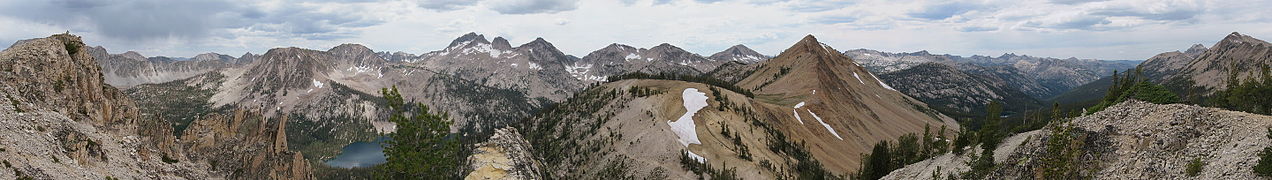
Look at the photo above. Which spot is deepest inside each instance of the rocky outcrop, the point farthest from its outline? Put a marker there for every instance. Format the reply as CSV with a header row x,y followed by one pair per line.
x,y
245,145
504,156
1135,140
60,120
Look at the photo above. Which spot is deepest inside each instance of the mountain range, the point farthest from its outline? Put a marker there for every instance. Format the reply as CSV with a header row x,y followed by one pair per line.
x,y
74,111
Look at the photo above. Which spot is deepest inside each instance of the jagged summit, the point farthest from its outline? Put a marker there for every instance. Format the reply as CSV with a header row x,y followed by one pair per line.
x,y
1196,49
501,44
472,36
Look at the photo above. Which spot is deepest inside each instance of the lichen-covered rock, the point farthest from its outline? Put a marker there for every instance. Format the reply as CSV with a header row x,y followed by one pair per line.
x,y
505,156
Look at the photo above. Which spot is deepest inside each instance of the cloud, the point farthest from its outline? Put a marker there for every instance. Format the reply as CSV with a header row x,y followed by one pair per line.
x,y
1159,10
159,20
977,28
131,19
1072,2
532,6
808,6
944,10
1071,22
446,5
836,19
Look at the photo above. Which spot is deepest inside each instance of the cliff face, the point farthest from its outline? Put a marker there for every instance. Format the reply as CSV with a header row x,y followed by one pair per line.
x,y
60,120
246,146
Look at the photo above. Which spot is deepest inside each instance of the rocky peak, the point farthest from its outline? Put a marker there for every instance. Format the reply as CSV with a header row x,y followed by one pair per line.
x,y
537,43
616,47
287,68
1238,38
133,55
1196,49
1008,56
666,47
212,57
810,45
739,53
501,44
467,39
351,49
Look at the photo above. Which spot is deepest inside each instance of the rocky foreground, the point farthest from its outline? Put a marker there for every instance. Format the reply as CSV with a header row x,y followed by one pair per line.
x,y
60,120
1131,140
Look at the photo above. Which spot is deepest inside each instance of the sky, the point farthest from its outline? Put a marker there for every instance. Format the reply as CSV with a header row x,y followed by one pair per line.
x,y
1089,29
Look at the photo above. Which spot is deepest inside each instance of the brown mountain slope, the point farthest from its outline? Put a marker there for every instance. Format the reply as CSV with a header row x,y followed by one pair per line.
x,y
851,100
640,127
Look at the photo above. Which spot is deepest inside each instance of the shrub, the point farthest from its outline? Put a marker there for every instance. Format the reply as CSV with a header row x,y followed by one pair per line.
x,y
1194,167
1264,167
168,160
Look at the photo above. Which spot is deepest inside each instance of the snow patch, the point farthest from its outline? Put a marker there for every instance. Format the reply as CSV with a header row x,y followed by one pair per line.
x,y
580,72
885,85
700,159
535,66
823,123
684,127
514,65
854,74
318,84
793,111
632,56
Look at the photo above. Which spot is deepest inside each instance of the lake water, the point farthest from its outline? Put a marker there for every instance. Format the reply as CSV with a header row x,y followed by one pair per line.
x,y
360,154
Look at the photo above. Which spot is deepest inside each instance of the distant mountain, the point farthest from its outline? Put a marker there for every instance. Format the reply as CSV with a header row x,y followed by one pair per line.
x,y
1054,75
617,59
131,68
537,67
1195,73
958,93
1200,71
739,53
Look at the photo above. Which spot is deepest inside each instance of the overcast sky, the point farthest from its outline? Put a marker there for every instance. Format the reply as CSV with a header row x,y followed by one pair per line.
x,y
1100,29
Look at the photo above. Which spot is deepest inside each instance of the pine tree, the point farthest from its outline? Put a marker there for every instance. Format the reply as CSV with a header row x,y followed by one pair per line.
x,y
989,131
422,146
